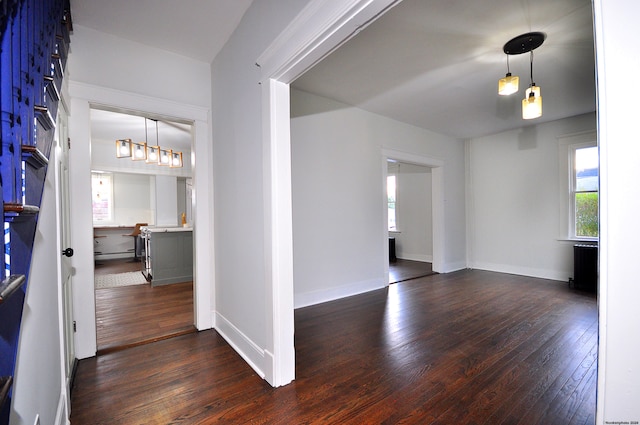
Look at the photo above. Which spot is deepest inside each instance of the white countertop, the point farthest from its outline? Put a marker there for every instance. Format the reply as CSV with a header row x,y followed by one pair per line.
x,y
164,229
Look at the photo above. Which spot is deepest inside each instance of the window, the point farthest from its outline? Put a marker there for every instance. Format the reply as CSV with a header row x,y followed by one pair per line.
x,y
391,202
102,197
578,180
584,190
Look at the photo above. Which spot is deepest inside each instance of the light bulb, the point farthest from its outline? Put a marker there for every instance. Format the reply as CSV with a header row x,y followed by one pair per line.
x,y
508,85
532,103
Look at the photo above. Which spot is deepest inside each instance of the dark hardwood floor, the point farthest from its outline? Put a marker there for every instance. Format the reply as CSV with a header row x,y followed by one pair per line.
x,y
124,265
401,270
133,315
469,347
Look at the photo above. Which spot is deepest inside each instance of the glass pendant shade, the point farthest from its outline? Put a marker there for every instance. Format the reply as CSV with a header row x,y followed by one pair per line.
x,y
152,154
164,157
508,85
123,148
176,159
139,151
532,103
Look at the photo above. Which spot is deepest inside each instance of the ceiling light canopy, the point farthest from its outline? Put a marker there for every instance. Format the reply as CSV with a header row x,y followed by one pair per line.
x,y
525,43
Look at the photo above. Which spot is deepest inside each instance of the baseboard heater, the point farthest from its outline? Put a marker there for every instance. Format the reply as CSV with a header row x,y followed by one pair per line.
x,y
585,267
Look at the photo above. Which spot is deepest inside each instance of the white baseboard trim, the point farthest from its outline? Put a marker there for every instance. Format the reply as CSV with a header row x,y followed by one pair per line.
x,y
268,368
306,299
426,258
454,267
118,256
62,416
242,344
559,275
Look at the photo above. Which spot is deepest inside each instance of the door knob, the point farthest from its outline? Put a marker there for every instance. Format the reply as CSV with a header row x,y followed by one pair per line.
x,y
68,252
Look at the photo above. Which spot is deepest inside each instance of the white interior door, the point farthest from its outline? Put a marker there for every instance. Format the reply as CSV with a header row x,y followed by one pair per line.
x,y
65,250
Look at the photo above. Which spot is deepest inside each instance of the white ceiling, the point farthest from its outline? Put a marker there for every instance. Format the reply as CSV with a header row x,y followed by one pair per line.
x,y
109,126
431,63
197,29
436,64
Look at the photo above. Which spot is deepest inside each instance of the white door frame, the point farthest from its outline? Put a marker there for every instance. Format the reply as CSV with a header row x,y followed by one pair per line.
x,y
321,27
60,166
437,202
83,96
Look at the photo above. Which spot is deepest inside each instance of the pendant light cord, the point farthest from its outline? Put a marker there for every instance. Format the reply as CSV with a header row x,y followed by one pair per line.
x,y
532,84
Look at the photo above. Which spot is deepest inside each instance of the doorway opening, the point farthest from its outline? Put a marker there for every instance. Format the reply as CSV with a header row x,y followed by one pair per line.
x,y
420,192
409,221
133,199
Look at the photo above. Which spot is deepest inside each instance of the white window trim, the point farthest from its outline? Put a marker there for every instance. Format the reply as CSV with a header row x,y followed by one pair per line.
x,y
112,212
567,144
393,171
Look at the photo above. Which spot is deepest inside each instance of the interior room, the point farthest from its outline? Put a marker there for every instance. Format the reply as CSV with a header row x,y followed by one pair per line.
x,y
430,95
298,113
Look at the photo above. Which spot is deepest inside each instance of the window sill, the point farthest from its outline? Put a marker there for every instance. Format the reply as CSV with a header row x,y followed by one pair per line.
x,y
579,240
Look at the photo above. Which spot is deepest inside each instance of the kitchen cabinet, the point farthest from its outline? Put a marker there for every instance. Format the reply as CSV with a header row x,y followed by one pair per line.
x,y
168,255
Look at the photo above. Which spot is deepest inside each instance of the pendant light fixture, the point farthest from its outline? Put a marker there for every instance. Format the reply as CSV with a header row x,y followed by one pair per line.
x,y
139,150
151,154
525,43
165,157
509,84
532,102
176,159
123,148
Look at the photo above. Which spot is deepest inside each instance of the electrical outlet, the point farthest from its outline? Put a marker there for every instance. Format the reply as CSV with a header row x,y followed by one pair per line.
x,y
37,421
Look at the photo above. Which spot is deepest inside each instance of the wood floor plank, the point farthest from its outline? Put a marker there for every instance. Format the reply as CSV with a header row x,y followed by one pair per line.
x,y
130,315
402,270
469,347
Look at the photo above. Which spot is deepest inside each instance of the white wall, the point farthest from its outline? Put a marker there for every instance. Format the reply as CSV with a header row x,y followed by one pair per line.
x,y
338,196
242,313
38,376
183,201
514,200
166,201
106,61
132,199
619,297
414,240
337,203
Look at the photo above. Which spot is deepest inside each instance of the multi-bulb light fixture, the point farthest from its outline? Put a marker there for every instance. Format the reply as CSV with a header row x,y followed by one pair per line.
x,y
126,148
532,102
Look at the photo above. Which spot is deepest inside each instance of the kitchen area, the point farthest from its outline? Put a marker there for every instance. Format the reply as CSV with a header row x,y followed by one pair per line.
x,y
142,207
